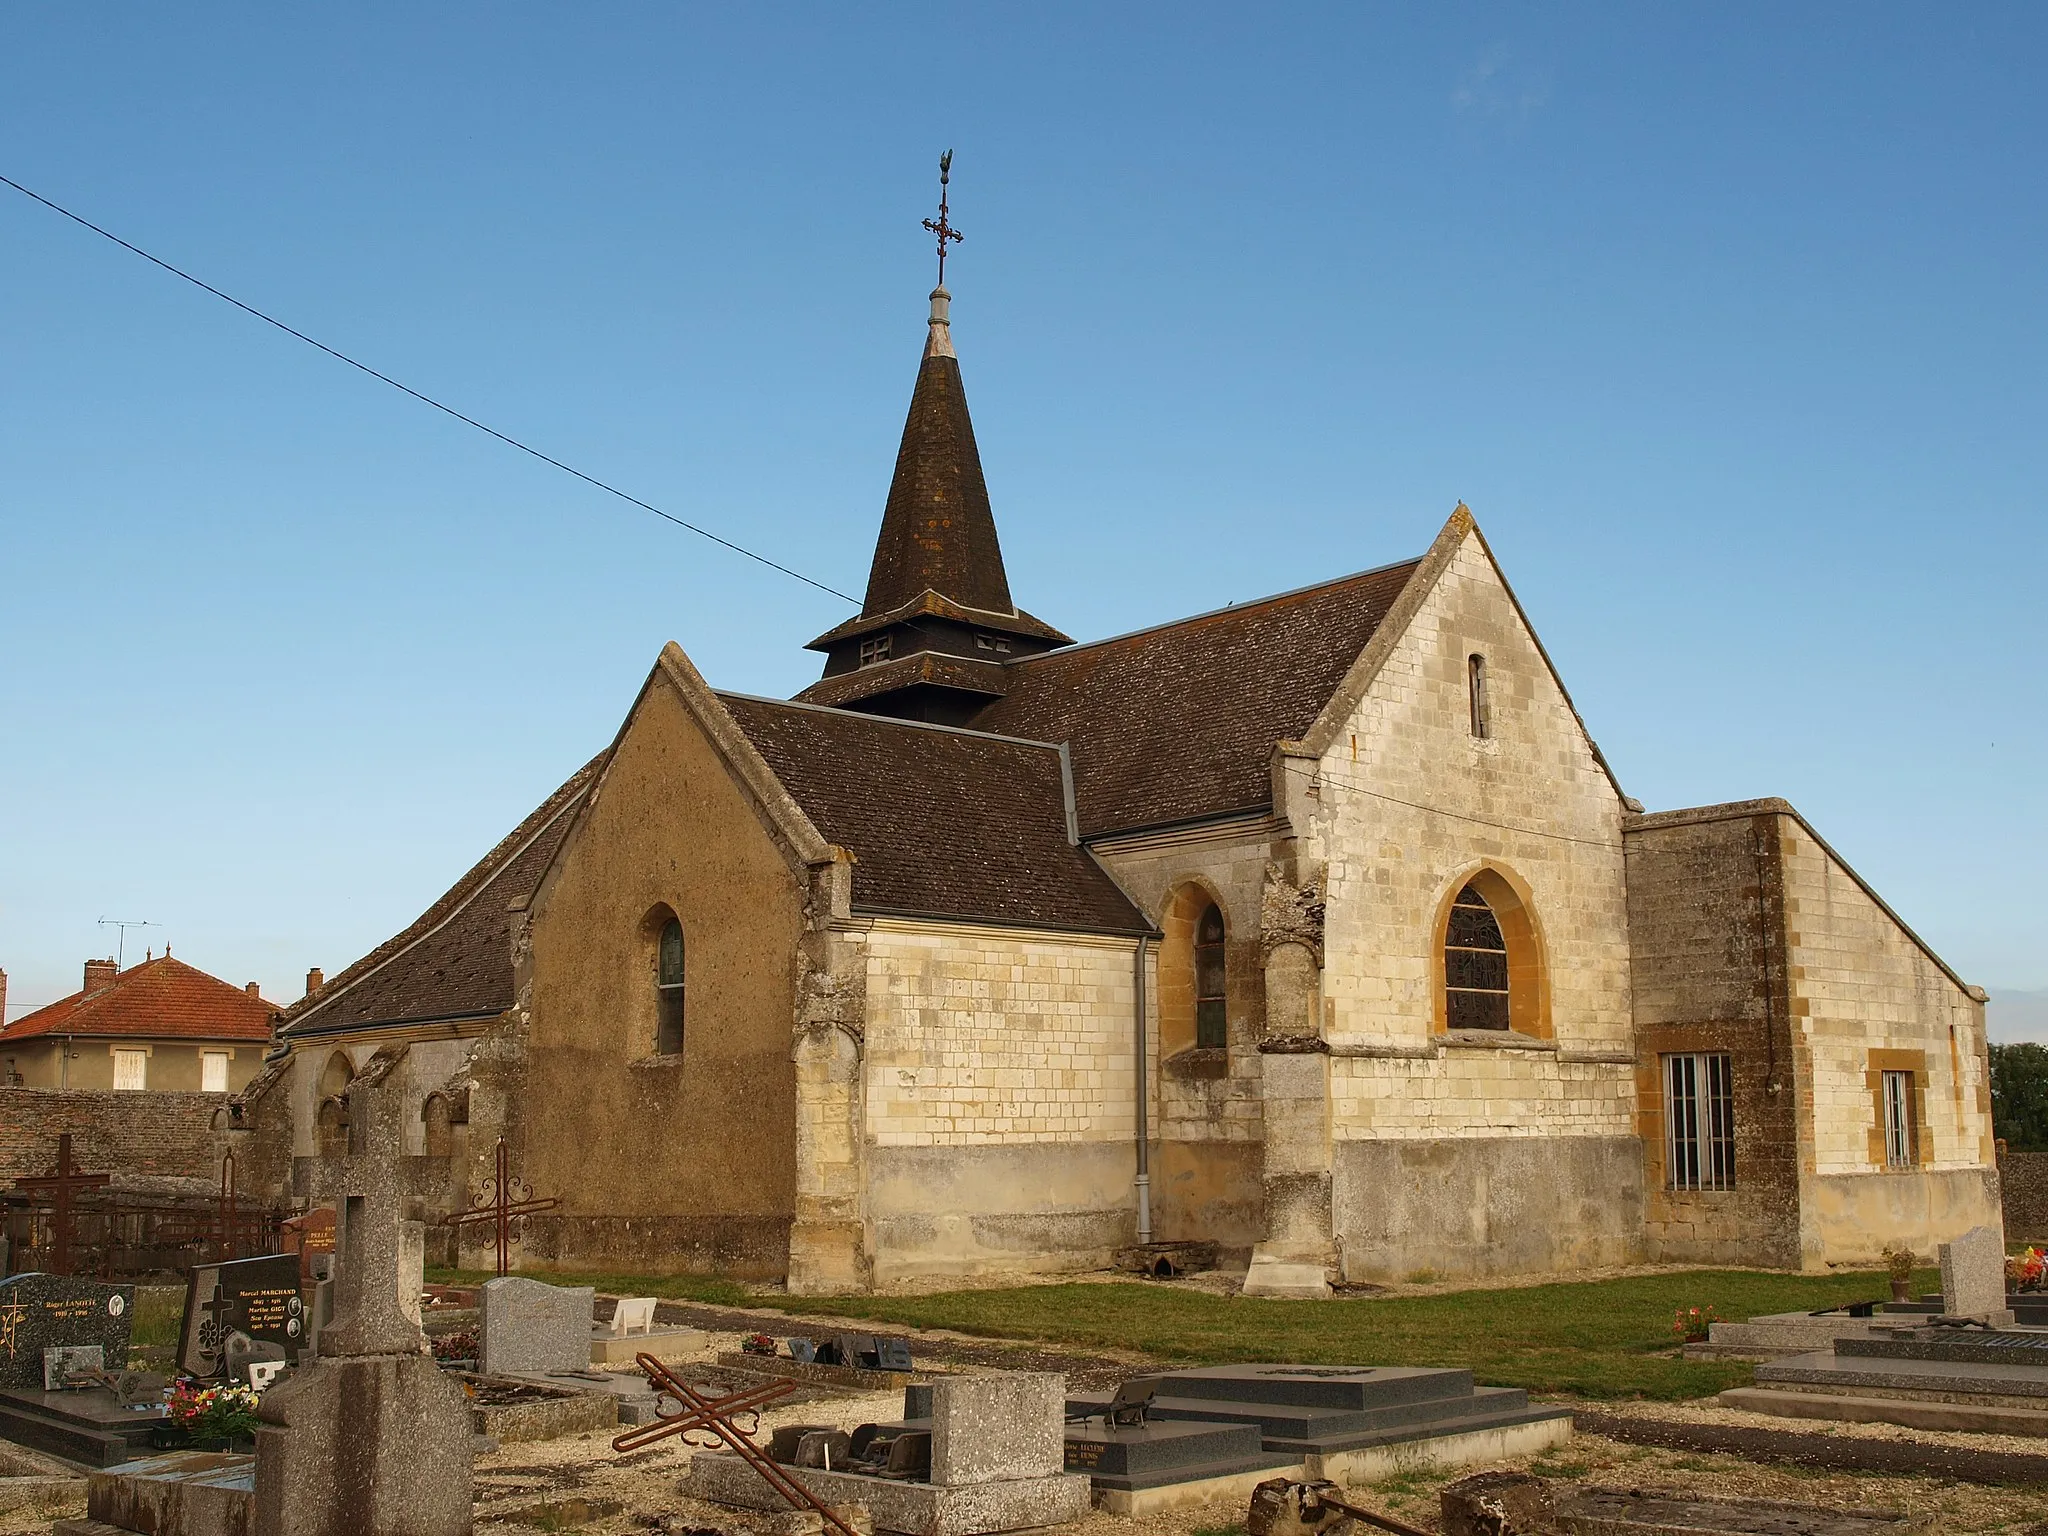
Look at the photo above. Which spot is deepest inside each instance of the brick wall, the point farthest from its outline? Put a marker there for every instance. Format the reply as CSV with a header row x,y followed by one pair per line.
x,y
145,1133
2024,1179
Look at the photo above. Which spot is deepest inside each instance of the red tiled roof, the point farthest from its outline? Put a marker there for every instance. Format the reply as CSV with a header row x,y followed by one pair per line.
x,y
161,999
1179,722
455,960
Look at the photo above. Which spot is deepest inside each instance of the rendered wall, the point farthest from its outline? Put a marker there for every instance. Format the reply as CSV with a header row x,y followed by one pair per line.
x,y
174,1066
1402,808
999,1080
669,1163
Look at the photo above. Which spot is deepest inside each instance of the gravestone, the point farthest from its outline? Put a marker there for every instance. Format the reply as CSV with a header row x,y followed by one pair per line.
x,y
39,1312
1973,1276
246,1300
530,1329
371,1437
311,1237
988,1429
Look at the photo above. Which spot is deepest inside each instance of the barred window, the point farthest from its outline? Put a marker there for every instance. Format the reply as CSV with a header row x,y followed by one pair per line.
x,y
1898,1120
1699,1120
668,991
875,650
1475,966
1212,1029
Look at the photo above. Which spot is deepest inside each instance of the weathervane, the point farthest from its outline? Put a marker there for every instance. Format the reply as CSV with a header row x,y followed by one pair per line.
x,y
939,226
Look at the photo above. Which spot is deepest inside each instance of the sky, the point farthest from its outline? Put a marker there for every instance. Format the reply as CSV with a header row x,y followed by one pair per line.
x,y
1726,321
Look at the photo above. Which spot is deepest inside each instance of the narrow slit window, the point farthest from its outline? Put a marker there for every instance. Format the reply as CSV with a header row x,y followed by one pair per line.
x,y
1475,966
1699,1120
1212,1028
1475,687
668,991
1898,1120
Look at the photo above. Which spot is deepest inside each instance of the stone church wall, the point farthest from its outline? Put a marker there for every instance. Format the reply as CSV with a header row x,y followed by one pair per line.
x,y
1704,890
664,1163
999,1081
1489,1155
2023,1187
1865,996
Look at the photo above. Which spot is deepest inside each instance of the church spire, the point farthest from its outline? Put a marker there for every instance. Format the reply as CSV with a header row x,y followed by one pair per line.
x,y
937,587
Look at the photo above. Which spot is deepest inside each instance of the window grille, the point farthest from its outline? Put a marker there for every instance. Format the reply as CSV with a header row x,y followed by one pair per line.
x,y
1475,966
1699,1120
872,651
1212,1028
668,991
1475,686
1898,1120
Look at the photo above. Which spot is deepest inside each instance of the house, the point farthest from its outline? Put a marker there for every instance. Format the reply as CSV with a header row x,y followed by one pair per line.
x,y
159,1026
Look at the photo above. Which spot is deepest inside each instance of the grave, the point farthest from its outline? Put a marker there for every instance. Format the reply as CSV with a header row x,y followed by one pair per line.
x,y
41,1314
241,1311
1520,1504
995,1465
1355,1423
509,1411
1778,1335
1924,1378
526,1328
633,1331
1973,1277
311,1237
44,1484
1140,1469
183,1493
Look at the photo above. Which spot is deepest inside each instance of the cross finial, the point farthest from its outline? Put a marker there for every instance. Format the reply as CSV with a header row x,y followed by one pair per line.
x,y
940,227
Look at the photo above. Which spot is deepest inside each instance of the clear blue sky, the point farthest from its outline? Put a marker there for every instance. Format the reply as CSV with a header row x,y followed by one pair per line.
x,y
1727,321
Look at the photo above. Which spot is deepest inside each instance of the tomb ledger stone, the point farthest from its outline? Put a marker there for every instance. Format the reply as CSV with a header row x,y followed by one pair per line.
x,y
39,1312
370,1438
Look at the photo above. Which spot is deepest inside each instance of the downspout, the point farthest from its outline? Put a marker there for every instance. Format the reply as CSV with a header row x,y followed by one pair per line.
x,y
1144,1178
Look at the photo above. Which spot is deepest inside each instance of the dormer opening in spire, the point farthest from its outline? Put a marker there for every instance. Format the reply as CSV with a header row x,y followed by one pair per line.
x,y
938,621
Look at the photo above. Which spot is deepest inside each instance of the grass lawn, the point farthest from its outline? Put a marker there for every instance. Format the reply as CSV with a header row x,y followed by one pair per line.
x,y
1601,1338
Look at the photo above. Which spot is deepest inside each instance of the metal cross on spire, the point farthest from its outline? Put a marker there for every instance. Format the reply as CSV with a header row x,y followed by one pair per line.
x,y
940,227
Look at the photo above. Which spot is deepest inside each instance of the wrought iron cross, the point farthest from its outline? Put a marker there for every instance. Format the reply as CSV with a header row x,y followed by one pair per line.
x,y
59,1186
940,227
498,1200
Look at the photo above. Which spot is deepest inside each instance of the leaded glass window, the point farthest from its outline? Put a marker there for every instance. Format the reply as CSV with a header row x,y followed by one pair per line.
x,y
668,991
1212,1029
1475,966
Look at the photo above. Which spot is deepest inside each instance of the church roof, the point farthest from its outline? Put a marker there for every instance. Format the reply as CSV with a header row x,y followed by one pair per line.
x,y
160,999
941,822
1178,722
455,960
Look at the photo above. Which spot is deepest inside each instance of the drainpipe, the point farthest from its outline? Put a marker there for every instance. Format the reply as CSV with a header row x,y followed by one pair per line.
x,y
1144,1178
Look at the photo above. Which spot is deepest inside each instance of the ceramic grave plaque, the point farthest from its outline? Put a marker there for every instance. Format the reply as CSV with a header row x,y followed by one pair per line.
x,y
40,1312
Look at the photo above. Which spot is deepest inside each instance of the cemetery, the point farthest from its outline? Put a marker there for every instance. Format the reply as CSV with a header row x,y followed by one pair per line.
x,y
322,1388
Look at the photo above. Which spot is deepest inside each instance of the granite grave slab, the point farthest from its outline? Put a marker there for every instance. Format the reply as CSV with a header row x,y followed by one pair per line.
x,y
232,1306
1973,1276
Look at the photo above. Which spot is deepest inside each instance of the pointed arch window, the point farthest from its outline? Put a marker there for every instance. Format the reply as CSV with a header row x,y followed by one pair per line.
x,y
1475,965
668,990
1212,1028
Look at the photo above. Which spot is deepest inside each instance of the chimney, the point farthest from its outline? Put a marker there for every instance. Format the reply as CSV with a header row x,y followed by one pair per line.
x,y
99,973
250,988
314,980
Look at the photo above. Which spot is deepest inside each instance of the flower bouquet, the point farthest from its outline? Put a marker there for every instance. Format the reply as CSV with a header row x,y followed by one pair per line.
x,y
2028,1271
213,1418
1693,1323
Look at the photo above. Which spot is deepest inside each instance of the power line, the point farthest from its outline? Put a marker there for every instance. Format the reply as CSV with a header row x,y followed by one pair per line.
x,y
1338,779
423,399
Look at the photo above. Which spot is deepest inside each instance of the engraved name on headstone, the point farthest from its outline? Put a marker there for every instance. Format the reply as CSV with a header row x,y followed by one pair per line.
x,y
230,1307
39,1312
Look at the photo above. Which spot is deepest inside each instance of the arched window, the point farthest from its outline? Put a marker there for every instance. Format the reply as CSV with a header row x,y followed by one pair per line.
x,y
1475,965
437,1118
1212,1029
1475,687
668,990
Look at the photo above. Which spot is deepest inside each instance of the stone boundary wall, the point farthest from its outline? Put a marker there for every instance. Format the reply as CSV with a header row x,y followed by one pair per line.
x,y
142,1133
2023,1178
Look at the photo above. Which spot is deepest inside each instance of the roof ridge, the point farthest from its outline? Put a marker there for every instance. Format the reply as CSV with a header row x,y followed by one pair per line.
x,y
1211,613
860,714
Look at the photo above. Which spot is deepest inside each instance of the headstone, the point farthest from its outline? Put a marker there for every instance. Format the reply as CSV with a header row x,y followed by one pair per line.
x,y
371,1437
1973,1276
311,1237
39,1312
633,1314
527,1328
988,1429
246,1300
893,1355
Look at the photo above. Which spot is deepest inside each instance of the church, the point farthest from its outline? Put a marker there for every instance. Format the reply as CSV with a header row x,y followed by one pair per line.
x,y
1317,928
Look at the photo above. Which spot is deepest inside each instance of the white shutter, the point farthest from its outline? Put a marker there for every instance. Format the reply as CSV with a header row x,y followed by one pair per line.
x,y
131,1069
213,1071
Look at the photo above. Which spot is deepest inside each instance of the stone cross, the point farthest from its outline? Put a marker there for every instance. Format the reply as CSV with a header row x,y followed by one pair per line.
x,y
370,1196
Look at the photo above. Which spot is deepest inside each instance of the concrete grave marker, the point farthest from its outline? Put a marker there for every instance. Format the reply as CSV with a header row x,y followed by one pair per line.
x,y
1973,1276
531,1329
371,1437
988,1429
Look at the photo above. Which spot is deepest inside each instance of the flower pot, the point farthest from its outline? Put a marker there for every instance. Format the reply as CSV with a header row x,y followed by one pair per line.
x,y
1902,1290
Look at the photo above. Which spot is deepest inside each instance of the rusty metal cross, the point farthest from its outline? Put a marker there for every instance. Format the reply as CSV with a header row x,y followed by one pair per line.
x,y
717,1414
59,1187
941,226
498,1200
